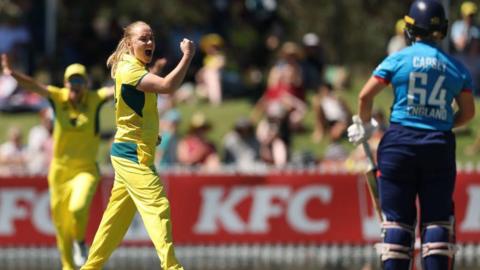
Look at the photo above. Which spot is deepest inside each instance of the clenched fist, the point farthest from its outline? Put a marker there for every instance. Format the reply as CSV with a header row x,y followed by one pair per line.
x,y
188,47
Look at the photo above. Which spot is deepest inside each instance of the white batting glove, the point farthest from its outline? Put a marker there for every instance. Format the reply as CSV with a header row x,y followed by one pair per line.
x,y
359,132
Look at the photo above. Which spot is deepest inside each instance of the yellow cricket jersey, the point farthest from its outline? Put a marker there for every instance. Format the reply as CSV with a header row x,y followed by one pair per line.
x,y
76,127
136,114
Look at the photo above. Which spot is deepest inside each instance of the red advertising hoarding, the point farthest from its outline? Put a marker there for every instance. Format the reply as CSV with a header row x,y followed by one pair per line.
x,y
294,208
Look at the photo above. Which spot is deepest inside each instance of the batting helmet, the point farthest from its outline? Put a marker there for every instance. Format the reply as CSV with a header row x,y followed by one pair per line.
x,y
426,18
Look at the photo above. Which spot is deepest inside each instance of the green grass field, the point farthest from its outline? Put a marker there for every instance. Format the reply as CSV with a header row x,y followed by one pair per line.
x,y
223,117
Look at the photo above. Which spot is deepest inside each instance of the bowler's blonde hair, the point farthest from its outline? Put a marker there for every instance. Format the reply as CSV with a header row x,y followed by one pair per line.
x,y
122,47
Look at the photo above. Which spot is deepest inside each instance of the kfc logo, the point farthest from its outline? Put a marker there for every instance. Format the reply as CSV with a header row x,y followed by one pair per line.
x,y
24,204
218,209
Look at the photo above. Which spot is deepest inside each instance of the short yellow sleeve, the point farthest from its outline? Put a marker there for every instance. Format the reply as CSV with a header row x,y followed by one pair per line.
x,y
133,74
54,92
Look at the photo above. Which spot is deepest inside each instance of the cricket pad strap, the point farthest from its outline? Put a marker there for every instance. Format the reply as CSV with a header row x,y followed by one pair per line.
x,y
397,241
437,238
393,251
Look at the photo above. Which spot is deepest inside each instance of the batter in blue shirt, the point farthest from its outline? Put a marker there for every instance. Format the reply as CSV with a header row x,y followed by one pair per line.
x,y
416,156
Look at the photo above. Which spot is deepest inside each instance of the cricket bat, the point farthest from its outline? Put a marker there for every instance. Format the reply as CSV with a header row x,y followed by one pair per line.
x,y
371,173
371,177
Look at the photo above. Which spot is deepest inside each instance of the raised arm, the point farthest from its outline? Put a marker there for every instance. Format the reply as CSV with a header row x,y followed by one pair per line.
x,y
154,83
25,81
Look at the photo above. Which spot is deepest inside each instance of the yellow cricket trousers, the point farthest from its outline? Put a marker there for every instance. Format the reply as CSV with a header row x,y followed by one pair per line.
x,y
136,187
71,191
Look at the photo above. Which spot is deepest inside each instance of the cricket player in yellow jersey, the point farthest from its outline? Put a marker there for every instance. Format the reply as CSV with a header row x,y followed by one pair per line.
x,y
137,185
73,174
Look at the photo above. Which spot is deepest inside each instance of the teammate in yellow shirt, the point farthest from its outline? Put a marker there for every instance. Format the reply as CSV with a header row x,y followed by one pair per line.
x,y
73,174
137,185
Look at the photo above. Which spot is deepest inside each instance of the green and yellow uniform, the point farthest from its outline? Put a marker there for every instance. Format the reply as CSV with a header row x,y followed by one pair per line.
x,y
73,174
137,185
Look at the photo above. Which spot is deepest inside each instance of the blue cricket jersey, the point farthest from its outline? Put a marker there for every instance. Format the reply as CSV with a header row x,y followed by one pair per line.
x,y
425,81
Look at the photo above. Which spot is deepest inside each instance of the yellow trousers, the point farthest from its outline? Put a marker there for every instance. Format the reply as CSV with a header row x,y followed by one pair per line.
x,y
71,191
136,187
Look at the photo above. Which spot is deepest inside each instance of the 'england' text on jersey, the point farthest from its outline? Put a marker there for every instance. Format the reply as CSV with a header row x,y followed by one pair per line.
x,y
429,62
436,113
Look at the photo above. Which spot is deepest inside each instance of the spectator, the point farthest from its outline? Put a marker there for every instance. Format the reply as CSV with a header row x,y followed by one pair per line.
x,y
285,87
398,41
13,157
273,135
209,77
40,144
167,149
195,149
241,147
339,76
313,63
8,85
465,36
334,157
332,114
465,30
13,34
470,58
286,75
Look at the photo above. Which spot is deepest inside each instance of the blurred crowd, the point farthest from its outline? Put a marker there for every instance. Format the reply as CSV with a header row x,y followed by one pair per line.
x,y
256,142
284,79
